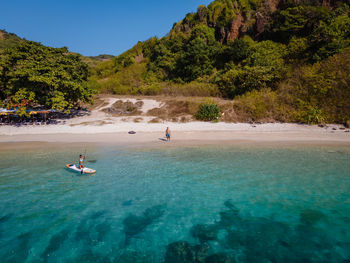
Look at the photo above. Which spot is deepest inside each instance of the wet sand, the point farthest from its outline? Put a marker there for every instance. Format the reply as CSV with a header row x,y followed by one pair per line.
x,y
179,138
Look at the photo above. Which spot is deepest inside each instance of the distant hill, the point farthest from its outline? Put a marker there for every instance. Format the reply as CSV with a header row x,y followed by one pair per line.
x,y
10,39
92,61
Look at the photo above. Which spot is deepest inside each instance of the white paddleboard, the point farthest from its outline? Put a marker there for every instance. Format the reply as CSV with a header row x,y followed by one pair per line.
x,y
85,170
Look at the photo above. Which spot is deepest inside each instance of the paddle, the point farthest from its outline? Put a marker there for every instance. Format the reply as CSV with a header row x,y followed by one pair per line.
x,y
82,169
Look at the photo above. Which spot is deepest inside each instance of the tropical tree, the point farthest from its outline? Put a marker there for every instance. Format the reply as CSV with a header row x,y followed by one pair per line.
x,y
48,74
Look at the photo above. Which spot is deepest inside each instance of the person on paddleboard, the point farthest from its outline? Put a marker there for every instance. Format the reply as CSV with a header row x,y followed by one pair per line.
x,y
81,161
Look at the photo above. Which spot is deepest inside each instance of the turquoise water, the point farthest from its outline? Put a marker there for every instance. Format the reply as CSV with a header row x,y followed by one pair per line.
x,y
195,204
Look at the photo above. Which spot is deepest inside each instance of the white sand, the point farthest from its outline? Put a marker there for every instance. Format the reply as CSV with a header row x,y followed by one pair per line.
x,y
100,127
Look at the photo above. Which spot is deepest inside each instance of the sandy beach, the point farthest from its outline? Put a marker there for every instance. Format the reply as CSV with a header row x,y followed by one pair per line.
x,y
101,127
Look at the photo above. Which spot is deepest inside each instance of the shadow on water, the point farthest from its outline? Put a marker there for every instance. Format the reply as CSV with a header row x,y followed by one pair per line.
x,y
134,224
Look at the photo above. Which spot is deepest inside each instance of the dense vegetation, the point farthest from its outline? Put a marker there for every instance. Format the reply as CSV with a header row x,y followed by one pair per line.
x,y
284,60
31,73
277,59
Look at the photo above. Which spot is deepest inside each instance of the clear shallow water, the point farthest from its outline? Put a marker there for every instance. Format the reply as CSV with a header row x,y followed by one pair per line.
x,y
200,204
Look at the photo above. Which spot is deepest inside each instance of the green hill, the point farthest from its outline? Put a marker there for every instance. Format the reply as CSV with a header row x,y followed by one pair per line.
x,y
257,51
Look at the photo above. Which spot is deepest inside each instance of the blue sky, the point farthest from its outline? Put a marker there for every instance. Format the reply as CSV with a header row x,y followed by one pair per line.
x,y
93,27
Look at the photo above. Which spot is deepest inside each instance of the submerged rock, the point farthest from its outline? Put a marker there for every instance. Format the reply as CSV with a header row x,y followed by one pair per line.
x,y
21,246
102,230
232,207
221,258
87,255
5,218
229,217
55,243
127,203
310,217
134,224
258,239
182,251
205,232
97,214
134,257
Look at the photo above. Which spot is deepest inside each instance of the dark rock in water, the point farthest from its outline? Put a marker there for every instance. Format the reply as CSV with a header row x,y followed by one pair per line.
x,y
180,251
261,238
310,217
97,214
334,129
134,257
5,218
153,212
134,225
201,252
56,242
83,231
127,203
229,218
311,242
258,239
88,256
221,258
205,232
347,131
102,230
132,132
228,204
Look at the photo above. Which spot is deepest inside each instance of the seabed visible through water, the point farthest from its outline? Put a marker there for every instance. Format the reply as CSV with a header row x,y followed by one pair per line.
x,y
188,204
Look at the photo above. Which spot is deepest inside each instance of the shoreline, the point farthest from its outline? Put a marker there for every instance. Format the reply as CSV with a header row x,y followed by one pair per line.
x,y
155,139
101,127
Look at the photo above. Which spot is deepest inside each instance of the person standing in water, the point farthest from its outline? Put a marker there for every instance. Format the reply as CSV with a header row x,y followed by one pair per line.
x,y
81,161
167,134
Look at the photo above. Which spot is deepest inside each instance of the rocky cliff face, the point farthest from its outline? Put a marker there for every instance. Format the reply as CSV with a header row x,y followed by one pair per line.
x,y
329,3
236,25
254,20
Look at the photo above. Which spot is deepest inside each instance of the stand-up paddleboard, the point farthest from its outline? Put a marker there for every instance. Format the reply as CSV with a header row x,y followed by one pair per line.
x,y
85,170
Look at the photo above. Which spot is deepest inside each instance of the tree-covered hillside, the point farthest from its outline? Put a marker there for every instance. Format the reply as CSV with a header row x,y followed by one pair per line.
x,y
246,49
33,74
